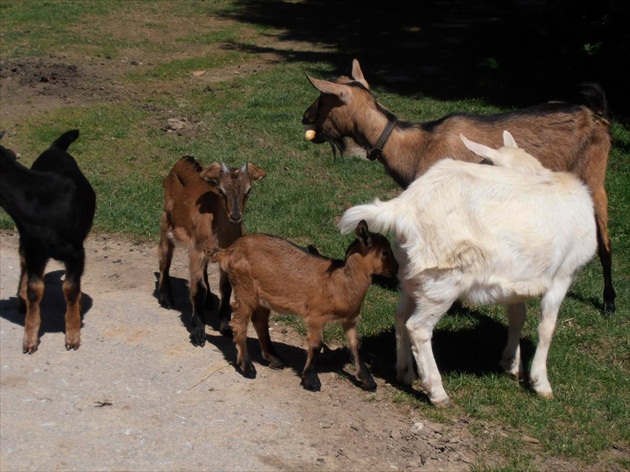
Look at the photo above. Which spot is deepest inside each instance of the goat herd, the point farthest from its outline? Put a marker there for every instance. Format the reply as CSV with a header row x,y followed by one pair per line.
x,y
479,220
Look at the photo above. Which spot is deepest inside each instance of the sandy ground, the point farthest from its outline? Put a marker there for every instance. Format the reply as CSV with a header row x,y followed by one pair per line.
x,y
138,396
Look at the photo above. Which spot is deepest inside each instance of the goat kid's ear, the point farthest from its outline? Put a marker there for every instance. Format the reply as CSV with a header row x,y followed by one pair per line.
x,y
342,92
357,74
363,234
255,173
479,149
508,140
212,173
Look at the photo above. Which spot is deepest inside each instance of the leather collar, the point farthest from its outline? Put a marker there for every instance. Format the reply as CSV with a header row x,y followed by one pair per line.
x,y
377,149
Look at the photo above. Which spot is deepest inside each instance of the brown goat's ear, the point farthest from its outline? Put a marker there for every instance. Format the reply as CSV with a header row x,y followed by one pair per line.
x,y
255,173
363,234
324,86
357,74
212,173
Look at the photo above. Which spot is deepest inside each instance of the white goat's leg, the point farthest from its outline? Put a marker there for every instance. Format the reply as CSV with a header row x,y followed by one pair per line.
x,y
420,326
405,373
511,360
550,306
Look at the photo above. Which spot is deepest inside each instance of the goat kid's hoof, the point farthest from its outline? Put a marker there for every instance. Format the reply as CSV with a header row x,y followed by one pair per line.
x,y
312,384
370,386
276,364
198,339
249,371
73,343
225,330
30,348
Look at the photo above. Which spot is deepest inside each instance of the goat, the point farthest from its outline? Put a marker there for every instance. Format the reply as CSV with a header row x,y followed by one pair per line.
x,y
270,273
203,208
52,205
482,234
562,136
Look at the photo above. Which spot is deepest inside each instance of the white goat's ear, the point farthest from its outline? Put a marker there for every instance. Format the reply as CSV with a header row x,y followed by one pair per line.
x,y
331,88
508,140
212,173
479,149
363,234
357,74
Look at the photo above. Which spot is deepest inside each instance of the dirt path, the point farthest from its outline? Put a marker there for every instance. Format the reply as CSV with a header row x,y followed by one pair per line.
x,y
138,396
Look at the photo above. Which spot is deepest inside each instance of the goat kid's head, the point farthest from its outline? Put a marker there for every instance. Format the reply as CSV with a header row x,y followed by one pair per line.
x,y
328,119
233,185
376,248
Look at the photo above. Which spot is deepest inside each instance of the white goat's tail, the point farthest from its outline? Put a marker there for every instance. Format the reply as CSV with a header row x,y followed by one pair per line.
x,y
380,217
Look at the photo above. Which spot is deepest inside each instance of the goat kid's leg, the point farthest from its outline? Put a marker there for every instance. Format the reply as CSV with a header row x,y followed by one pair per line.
x,y
72,294
350,330
260,319
420,326
225,312
165,253
242,315
34,294
511,359
405,372
21,292
550,305
198,292
310,379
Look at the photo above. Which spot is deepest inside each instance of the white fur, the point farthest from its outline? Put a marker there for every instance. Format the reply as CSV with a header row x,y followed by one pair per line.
x,y
485,235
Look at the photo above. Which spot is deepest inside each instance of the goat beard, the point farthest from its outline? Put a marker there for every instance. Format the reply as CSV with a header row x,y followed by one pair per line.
x,y
337,144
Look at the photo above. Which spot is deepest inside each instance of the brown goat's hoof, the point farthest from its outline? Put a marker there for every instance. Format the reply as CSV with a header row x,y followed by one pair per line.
x,y
369,386
249,371
276,363
226,331
30,348
167,302
312,383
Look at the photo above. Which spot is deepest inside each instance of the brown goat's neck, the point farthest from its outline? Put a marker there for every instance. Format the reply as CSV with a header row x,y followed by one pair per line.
x,y
354,278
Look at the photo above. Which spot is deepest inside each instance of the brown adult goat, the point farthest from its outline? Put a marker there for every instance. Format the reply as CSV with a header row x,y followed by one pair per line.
x,y
203,209
564,137
270,273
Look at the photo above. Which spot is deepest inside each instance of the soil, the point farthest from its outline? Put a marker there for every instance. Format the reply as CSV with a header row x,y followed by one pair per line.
x,y
138,396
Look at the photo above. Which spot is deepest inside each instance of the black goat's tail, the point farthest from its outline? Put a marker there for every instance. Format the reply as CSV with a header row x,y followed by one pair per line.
x,y
595,98
64,141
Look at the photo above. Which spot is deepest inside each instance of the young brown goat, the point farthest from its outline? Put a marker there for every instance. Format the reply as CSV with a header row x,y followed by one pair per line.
x,y
203,209
564,137
270,273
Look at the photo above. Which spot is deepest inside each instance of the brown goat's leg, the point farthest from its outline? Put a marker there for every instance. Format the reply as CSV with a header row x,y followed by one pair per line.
x,y
165,253
242,314
34,294
225,312
197,297
260,319
600,201
310,379
367,381
72,294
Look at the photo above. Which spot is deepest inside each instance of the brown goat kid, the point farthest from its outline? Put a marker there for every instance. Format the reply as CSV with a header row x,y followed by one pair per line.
x,y
203,209
270,273
564,137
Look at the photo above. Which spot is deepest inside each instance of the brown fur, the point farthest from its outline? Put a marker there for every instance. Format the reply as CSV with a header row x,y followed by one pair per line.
x,y
563,137
203,209
270,273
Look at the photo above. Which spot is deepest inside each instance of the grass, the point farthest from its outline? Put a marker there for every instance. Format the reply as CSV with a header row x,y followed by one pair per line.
x,y
125,153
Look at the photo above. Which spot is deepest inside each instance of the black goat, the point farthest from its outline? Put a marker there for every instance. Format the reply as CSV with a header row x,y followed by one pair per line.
x,y
53,205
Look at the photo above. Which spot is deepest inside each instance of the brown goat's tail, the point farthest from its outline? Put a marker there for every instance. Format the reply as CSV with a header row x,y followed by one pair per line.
x,y
595,98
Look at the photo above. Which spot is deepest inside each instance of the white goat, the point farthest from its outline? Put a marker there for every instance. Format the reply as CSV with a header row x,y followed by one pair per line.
x,y
483,234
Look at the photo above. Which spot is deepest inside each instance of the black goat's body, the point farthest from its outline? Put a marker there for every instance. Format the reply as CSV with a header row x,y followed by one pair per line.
x,y
52,205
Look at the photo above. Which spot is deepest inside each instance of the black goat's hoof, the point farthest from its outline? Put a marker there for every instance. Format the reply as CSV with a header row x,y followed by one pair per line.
x,y
198,339
225,330
166,302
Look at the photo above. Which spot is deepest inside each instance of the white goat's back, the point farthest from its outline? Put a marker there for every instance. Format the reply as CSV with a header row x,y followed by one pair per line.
x,y
505,234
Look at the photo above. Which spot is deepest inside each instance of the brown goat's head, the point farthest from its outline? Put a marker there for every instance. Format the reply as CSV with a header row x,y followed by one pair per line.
x,y
376,247
329,118
233,186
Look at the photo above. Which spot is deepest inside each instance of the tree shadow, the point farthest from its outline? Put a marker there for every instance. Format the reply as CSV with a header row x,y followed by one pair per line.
x,y
511,54
52,307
